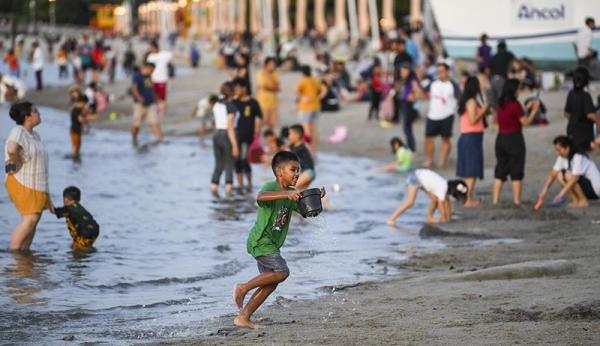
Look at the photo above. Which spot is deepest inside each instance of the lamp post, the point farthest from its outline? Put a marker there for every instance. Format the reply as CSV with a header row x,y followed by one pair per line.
x,y
52,12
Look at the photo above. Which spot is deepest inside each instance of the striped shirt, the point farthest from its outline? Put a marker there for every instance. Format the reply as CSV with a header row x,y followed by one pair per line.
x,y
34,172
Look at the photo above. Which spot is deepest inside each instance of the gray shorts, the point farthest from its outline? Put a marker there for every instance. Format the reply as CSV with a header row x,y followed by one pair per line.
x,y
413,181
271,263
308,117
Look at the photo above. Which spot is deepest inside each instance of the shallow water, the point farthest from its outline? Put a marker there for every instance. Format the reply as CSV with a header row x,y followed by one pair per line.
x,y
168,251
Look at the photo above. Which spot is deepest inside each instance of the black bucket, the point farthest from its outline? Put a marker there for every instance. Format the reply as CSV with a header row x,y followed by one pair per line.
x,y
310,203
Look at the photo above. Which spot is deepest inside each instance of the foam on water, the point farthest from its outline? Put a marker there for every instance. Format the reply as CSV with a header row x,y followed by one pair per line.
x,y
168,252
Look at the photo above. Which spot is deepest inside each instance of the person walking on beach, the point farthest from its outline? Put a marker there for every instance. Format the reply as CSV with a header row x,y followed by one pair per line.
x,y
37,62
484,55
144,97
510,144
310,92
160,75
225,147
580,112
248,124
472,112
577,174
268,88
276,201
407,89
26,160
85,58
443,96
129,60
375,90
499,66
585,52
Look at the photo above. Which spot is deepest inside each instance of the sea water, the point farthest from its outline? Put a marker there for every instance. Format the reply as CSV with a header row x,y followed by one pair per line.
x,y
168,251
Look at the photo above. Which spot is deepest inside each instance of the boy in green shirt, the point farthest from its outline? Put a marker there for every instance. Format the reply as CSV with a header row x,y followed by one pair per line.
x,y
81,224
276,201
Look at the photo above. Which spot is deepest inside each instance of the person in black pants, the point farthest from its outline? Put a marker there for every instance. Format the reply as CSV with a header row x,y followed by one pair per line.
x,y
249,119
376,88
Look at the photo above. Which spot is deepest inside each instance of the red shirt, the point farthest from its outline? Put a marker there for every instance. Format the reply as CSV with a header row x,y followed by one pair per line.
x,y
508,117
376,82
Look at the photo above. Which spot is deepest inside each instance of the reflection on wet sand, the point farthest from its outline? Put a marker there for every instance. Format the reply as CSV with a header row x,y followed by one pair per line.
x,y
25,277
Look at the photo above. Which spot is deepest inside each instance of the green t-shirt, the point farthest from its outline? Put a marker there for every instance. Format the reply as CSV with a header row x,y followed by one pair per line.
x,y
272,223
404,160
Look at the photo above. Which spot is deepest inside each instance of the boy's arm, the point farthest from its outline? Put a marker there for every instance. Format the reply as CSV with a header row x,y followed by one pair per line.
x,y
269,196
60,212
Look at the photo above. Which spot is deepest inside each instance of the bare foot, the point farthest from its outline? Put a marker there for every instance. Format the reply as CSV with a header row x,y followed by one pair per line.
x,y
432,221
471,203
238,296
427,164
246,323
391,222
577,205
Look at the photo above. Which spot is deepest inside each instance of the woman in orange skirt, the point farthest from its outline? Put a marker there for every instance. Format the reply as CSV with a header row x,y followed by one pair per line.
x,y
26,160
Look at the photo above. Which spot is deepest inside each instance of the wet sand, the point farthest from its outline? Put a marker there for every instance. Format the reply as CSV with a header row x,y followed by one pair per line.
x,y
552,295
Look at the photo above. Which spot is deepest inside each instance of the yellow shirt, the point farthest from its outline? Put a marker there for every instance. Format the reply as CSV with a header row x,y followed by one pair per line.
x,y
309,89
267,99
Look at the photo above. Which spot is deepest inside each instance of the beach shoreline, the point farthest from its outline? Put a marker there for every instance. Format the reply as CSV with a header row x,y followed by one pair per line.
x,y
551,297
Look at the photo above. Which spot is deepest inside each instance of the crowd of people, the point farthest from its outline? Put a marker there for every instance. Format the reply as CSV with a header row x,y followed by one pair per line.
x,y
502,91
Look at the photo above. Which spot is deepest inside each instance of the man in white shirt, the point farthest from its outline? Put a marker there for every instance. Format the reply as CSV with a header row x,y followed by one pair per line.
x,y
37,63
160,76
584,42
443,96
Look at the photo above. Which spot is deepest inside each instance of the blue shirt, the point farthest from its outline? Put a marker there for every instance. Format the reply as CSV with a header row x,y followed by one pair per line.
x,y
145,88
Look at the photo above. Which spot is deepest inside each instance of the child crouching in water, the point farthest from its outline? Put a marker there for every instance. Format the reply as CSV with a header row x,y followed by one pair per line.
x,y
404,158
276,201
437,188
83,228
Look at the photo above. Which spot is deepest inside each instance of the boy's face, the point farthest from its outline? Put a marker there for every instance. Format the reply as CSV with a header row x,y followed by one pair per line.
x,y
68,201
288,173
294,137
147,70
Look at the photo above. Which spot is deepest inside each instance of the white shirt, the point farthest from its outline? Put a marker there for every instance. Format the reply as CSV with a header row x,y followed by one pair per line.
x,y
34,172
38,59
432,182
442,101
161,61
220,112
203,108
581,166
584,41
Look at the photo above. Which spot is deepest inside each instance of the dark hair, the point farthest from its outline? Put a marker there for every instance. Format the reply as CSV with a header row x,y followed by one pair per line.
x,y
212,98
284,132
589,20
509,92
483,37
400,41
458,189
73,193
471,91
279,142
226,89
396,140
154,44
19,111
149,64
267,133
240,82
282,158
305,69
581,78
566,142
269,59
82,98
298,129
501,45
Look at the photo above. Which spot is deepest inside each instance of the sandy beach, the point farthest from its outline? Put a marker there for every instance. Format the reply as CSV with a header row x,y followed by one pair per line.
x,y
507,276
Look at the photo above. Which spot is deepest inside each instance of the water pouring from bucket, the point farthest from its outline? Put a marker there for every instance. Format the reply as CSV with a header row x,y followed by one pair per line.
x,y
310,202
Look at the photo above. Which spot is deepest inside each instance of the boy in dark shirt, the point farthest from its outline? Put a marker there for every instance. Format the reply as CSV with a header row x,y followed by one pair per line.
x,y
248,123
82,226
145,99
78,118
307,166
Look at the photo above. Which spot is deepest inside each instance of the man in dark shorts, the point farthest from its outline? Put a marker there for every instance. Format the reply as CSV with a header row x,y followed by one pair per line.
x,y
443,96
248,123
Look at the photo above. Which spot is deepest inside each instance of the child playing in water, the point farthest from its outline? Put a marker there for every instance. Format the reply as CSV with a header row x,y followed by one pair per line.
x,y
276,201
437,188
307,166
78,118
404,158
82,226
203,111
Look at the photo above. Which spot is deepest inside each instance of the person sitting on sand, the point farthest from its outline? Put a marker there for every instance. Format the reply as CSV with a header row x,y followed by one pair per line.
x,y
437,188
276,201
577,174
83,228
307,165
404,158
